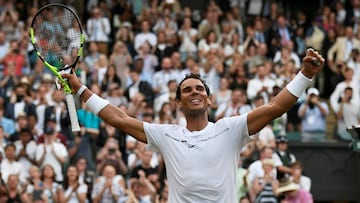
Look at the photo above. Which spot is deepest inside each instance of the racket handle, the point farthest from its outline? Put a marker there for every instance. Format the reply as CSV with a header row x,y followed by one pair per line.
x,y
75,127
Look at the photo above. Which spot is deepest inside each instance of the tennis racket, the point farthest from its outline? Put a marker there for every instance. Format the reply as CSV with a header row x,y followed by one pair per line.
x,y
58,40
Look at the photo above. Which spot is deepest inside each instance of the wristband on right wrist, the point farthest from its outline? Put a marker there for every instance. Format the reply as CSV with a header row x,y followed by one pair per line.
x,y
96,103
298,85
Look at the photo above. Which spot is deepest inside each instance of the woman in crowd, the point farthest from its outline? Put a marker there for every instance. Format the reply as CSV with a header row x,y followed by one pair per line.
x,y
75,192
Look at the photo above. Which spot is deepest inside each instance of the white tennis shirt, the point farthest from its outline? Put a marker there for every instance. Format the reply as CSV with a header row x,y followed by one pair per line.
x,y
200,165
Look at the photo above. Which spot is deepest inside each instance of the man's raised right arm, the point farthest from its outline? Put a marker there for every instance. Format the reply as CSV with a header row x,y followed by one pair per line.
x,y
107,112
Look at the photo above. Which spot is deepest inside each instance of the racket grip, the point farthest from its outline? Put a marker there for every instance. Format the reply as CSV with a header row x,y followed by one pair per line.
x,y
75,127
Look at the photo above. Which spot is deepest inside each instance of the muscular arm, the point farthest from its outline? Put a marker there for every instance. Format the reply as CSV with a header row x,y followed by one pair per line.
x,y
119,119
111,114
281,103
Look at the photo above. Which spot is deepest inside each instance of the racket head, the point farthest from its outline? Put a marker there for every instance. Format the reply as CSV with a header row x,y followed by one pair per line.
x,y
57,36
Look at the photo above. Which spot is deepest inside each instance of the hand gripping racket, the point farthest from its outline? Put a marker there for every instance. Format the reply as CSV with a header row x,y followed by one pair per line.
x,y
58,40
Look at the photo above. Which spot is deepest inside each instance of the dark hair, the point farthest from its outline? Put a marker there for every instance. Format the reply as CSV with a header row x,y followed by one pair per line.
x,y
191,76
53,170
66,179
10,145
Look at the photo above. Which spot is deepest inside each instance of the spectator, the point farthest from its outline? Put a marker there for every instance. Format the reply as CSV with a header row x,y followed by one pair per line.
x,y
139,86
151,172
166,23
265,186
165,115
3,143
7,125
256,170
20,102
21,123
110,79
52,190
115,94
162,77
348,114
14,59
313,114
166,97
342,48
25,150
141,190
293,193
52,152
4,49
90,60
57,112
163,48
262,84
150,61
121,59
74,191
188,37
11,24
223,95
283,158
13,190
10,166
85,175
109,187
98,29
111,153
236,106
34,189
59,137
101,66
41,102
145,36
126,35
297,176
287,54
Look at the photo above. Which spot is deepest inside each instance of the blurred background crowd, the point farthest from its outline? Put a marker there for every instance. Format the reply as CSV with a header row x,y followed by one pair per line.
x,y
136,53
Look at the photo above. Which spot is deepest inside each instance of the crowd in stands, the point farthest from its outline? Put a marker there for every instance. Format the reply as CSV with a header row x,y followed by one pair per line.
x,y
136,53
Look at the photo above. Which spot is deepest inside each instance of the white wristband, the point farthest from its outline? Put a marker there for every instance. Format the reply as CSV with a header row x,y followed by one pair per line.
x,y
298,85
96,103
81,90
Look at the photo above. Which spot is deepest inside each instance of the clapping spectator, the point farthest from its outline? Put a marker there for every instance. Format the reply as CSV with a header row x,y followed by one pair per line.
x,y
264,187
98,28
74,190
25,150
52,190
10,166
52,152
109,187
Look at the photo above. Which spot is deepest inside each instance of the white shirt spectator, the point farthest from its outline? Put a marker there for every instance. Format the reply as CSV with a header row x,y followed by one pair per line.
x,y
141,38
98,29
10,168
30,152
161,79
70,193
55,148
256,84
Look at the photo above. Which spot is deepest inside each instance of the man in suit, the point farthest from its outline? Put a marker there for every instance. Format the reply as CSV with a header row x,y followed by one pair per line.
x,y
342,48
139,86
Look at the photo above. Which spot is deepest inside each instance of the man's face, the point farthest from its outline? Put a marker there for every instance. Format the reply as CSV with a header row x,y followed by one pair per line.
x,y
193,99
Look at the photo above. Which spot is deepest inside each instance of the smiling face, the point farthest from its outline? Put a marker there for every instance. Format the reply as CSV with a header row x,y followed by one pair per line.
x,y
194,98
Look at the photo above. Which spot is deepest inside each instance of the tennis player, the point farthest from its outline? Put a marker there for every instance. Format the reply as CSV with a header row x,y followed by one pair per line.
x,y
201,158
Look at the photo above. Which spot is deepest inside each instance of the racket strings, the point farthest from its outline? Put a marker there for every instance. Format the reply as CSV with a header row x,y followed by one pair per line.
x,y
57,35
